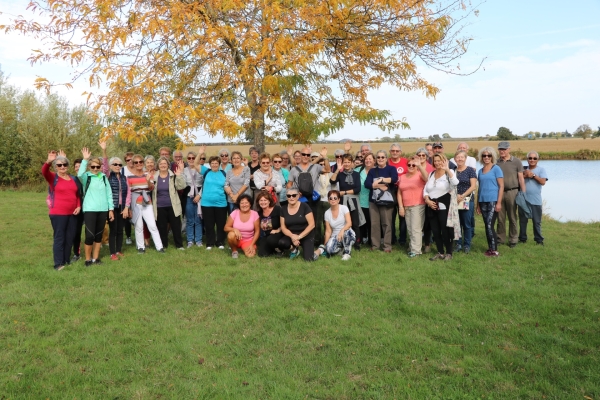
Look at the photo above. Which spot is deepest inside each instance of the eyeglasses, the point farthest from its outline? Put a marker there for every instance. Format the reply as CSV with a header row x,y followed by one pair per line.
x,y
486,156
290,196
265,162
117,165
94,167
305,154
381,157
128,160
138,162
276,161
529,158
422,155
62,165
333,198
394,151
412,165
224,155
286,158
191,158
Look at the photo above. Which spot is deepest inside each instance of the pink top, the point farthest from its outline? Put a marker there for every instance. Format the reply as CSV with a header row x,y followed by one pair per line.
x,y
411,189
245,228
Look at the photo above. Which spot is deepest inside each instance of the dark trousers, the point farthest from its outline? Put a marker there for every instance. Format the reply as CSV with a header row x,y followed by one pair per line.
x,y
442,235
402,223
355,224
164,217
214,218
489,214
426,230
128,227
77,237
321,207
314,207
307,243
115,235
268,244
94,226
536,217
64,231
365,230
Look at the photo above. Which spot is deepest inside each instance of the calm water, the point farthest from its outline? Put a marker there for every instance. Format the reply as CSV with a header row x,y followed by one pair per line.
x,y
572,190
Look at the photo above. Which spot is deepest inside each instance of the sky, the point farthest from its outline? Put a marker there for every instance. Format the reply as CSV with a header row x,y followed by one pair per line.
x,y
540,72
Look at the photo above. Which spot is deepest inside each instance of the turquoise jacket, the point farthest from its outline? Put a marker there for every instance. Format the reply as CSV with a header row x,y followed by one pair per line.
x,y
98,196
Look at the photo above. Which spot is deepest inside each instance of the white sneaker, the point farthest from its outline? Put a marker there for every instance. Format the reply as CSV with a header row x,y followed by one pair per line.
x,y
346,257
128,241
221,247
208,248
190,244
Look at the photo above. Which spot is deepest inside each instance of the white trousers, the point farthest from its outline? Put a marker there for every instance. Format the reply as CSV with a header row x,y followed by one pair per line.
x,y
146,214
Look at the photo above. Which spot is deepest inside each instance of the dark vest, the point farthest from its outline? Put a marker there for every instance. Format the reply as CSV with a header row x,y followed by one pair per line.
x,y
114,185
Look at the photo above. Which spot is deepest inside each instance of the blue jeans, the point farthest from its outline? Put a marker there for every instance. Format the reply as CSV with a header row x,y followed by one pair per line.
x,y
194,222
466,225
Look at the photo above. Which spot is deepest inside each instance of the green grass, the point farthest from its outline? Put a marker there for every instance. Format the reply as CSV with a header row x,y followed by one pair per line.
x,y
198,324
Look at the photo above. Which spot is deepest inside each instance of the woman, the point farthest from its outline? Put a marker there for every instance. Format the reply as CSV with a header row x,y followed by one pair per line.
x,y
224,160
214,204
283,173
237,181
363,170
64,203
339,234
121,197
97,205
467,184
489,202
323,187
193,188
266,178
437,195
166,203
141,185
350,187
270,224
79,216
128,171
381,178
242,228
254,166
411,204
298,227
423,156
149,167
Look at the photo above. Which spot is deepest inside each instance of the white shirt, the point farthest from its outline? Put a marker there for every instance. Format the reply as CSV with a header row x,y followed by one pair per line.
x,y
470,162
338,223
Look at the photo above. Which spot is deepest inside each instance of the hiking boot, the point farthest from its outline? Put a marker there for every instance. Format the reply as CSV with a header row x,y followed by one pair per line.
x,y
199,244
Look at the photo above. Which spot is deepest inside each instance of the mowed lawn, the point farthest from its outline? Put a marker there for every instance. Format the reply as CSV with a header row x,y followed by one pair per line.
x,y
198,324
540,145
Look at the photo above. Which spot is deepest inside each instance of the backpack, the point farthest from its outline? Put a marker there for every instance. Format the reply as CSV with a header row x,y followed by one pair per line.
x,y
208,170
89,180
305,182
50,198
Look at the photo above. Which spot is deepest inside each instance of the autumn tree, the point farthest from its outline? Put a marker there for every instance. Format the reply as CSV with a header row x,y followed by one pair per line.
x,y
264,70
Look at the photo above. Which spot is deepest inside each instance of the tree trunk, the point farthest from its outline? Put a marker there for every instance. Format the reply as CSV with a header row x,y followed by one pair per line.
x,y
258,129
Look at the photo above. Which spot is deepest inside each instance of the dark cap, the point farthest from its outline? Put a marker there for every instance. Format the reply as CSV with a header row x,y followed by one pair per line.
x,y
503,145
437,144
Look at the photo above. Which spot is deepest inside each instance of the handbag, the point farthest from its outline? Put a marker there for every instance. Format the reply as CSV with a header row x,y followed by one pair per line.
x,y
382,197
464,203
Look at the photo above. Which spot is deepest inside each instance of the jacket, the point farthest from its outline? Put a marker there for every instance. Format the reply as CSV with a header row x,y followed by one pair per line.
x,y
176,182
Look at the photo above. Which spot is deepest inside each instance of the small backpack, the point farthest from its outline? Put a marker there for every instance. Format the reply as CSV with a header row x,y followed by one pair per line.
x,y
305,182
208,170
51,189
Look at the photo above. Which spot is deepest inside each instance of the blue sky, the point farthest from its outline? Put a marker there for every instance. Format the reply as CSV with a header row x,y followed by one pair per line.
x,y
541,72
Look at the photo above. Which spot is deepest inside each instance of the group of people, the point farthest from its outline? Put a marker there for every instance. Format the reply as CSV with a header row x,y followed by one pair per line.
x,y
292,203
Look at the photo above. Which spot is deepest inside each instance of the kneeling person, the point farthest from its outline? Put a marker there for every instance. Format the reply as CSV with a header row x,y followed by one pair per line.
x,y
339,235
243,228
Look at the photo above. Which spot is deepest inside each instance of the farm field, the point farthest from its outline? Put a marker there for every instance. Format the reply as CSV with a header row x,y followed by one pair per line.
x,y
540,145
199,324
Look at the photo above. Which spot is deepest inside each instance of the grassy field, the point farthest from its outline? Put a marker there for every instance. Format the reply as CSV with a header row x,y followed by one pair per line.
x,y
540,145
198,324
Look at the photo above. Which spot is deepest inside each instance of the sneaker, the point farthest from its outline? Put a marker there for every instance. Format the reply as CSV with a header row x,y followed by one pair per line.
x,y
412,255
190,244
162,250
221,247
438,256
114,257
487,253
97,262
181,248
208,248
512,245
75,258
120,254
141,251
466,249
88,263
448,257
128,240
427,249
521,241
346,257
539,243
59,267
294,253
494,253
199,244
235,254
457,248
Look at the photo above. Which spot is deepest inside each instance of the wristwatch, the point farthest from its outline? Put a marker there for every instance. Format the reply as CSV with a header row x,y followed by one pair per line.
x,y
533,176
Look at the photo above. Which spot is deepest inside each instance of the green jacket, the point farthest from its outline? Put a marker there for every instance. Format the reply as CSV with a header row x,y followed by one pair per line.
x,y
98,195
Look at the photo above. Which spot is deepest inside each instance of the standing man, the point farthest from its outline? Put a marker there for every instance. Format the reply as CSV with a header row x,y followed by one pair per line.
x,y
429,148
535,177
314,169
165,152
401,165
365,149
438,148
471,161
513,181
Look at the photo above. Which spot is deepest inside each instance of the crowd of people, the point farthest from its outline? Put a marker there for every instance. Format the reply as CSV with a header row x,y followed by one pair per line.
x,y
293,203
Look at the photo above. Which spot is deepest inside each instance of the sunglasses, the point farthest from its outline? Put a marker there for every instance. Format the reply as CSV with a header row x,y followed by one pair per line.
x,y
62,165
265,162
305,154
224,155
276,161
128,160
412,165
339,156
333,198
202,158
191,158
289,196
422,155
486,156
94,167
138,162
381,157
117,165
530,158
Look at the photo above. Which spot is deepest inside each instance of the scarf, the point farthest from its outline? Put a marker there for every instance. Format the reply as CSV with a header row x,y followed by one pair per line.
x,y
349,179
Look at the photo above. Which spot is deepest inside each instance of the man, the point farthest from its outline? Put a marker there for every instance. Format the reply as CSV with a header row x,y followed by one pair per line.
x,y
471,161
438,148
305,166
429,148
178,156
165,152
365,149
401,165
512,169
535,177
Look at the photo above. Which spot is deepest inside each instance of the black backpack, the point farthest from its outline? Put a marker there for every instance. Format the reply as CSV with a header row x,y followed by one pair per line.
x,y
305,182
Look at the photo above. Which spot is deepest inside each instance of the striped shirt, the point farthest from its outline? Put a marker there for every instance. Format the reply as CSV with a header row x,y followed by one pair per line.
x,y
138,184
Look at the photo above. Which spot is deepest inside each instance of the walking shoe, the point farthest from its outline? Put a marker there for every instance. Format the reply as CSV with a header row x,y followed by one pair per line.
x,y
88,263
234,254
466,249
162,250
387,250
323,251
59,267
128,240
448,257
97,262
114,257
181,248
199,244
438,256
190,244
75,258
411,254
208,248
512,245
521,241
457,248
494,253
294,253
141,251
540,243
221,247
427,249
346,257
120,254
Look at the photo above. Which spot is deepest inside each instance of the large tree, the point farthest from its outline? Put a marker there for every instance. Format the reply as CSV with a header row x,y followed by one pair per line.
x,y
505,134
583,131
265,70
